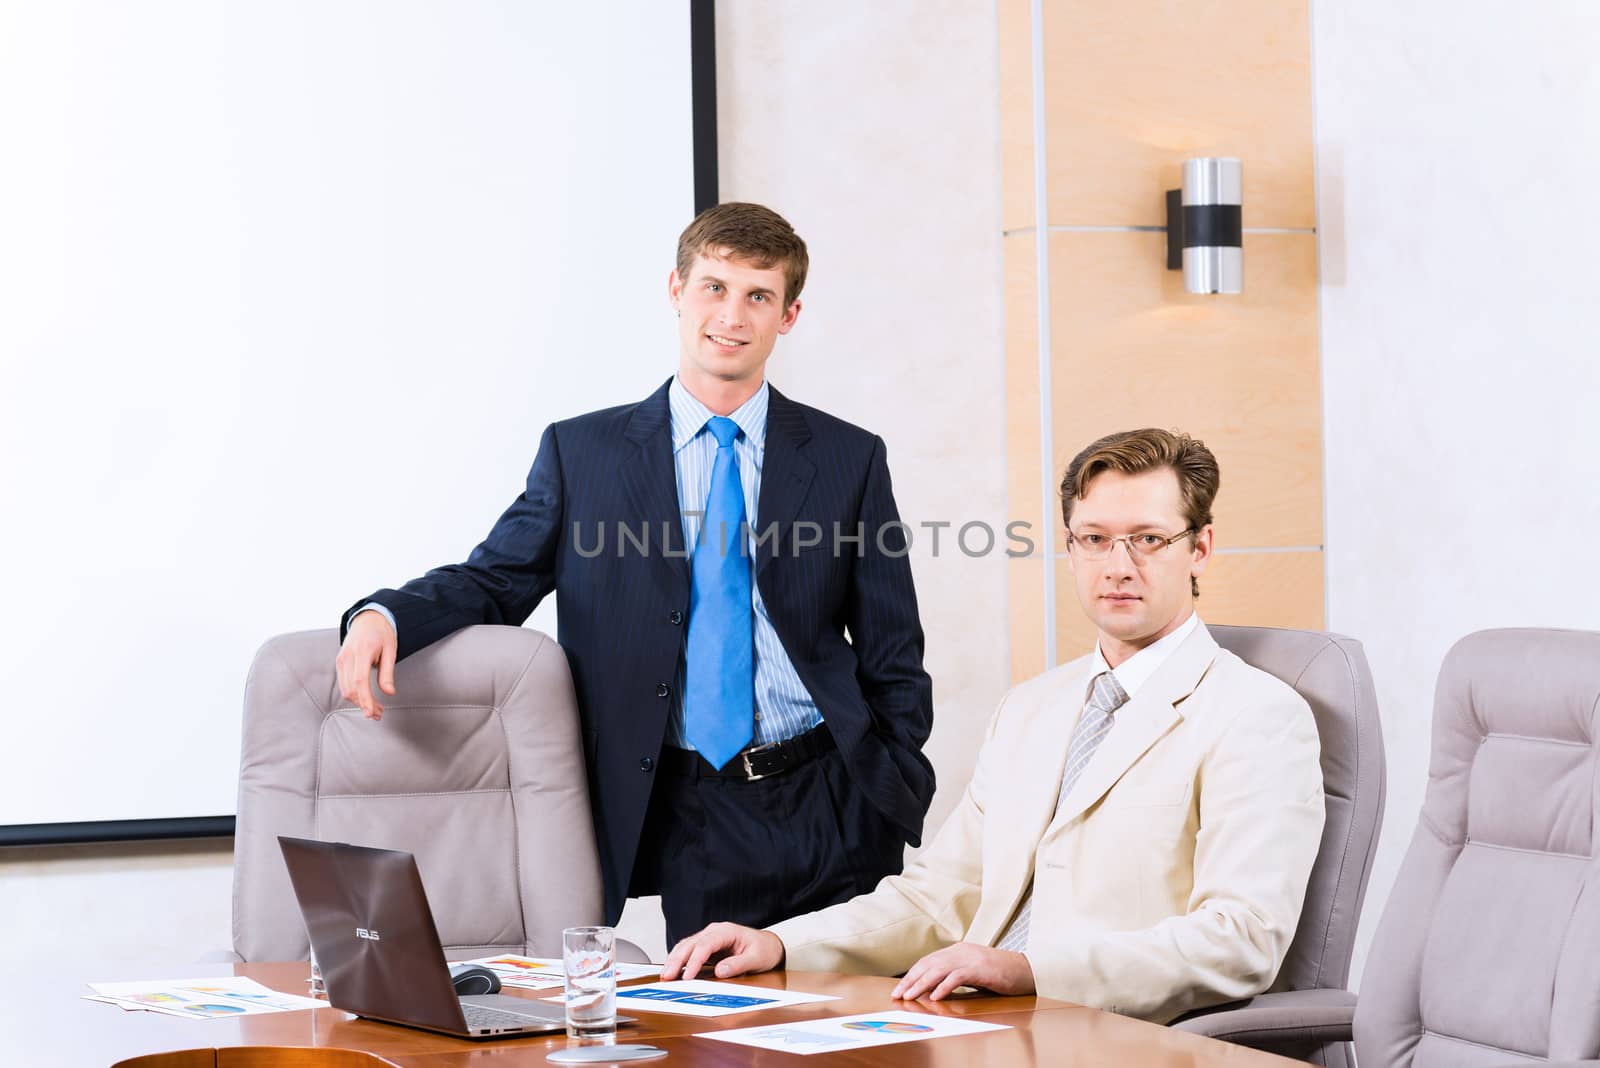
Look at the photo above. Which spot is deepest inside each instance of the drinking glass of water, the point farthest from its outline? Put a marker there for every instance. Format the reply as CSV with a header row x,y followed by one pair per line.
x,y
589,956
318,988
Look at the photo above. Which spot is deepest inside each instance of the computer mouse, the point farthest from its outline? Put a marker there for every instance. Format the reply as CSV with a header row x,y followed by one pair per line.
x,y
474,979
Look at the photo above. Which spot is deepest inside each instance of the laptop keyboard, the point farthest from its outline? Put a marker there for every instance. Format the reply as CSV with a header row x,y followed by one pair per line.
x,y
481,1016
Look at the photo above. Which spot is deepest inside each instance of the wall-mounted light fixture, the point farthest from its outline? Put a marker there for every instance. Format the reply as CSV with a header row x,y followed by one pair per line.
x,y
1204,232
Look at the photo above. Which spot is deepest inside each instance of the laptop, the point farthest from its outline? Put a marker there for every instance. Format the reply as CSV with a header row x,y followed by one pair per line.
x,y
379,950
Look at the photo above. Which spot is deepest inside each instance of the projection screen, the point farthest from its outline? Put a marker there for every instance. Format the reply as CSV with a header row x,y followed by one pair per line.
x,y
290,290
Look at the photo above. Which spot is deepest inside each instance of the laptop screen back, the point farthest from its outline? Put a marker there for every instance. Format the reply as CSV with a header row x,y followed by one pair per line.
x,y
373,933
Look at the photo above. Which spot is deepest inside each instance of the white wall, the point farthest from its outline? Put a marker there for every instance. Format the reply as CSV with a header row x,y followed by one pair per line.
x,y
1458,155
131,903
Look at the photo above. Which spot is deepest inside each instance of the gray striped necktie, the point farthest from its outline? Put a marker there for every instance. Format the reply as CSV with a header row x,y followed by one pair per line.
x,y
1095,723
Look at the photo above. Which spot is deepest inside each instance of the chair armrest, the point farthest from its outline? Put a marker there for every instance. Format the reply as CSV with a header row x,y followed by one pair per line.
x,y
1270,1020
219,956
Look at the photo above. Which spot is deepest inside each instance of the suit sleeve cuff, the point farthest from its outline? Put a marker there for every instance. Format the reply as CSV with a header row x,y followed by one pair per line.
x,y
374,606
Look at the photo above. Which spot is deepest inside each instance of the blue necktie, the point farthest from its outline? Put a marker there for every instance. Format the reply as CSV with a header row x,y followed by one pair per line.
x,y
719,701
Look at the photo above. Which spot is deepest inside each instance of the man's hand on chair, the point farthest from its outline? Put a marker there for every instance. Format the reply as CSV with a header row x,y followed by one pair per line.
x,y
369,642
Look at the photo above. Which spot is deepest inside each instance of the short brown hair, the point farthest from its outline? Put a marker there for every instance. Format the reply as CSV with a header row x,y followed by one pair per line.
x,y
1133,452
747,232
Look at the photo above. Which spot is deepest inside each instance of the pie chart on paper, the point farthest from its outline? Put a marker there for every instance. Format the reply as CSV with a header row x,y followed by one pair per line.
x,y
887,1027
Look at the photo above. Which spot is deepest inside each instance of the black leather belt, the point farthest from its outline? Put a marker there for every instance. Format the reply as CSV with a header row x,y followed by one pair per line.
x,y
758,762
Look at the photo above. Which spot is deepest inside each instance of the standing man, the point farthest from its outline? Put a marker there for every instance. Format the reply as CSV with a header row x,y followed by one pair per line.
x,y
711,548
1142,822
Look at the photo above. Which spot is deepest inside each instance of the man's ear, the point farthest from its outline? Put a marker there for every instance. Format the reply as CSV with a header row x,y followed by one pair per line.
x,y
675,290
790,314
1203,544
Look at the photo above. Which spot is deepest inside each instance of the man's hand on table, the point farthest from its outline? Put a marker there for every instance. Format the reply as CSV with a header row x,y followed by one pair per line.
x,y
734,950
369,642
965,964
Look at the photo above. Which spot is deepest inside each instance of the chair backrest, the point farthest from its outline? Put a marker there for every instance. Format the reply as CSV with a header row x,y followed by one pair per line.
x,y
1486,950
1330,671
476,768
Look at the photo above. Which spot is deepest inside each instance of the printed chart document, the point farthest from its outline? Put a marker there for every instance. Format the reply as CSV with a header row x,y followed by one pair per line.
x,y
201,999
545,973
697,997
865,1031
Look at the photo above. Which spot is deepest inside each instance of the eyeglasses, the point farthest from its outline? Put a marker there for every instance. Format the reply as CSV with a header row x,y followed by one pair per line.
x,y
1141,546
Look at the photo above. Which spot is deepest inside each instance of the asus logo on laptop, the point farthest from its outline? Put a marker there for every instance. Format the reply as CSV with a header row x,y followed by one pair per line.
x,y
370,936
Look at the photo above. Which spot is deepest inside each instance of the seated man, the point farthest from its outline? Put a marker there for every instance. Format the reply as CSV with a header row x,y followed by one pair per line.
x,y
1142,822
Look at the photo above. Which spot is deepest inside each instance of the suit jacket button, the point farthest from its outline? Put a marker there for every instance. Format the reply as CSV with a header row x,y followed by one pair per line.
x,y
662,690
675,618
645,763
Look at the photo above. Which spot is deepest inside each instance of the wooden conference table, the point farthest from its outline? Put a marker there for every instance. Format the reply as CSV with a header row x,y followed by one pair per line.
x,y
45,1021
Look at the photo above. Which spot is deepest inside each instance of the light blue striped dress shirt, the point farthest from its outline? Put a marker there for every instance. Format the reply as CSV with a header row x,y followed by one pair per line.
x,y
784,708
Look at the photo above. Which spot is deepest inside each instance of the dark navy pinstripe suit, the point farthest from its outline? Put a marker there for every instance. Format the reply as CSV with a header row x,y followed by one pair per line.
x,y
622,616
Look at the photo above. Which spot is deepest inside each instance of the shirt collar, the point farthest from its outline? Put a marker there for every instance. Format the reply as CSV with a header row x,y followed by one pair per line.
x,y
1137,670
689,416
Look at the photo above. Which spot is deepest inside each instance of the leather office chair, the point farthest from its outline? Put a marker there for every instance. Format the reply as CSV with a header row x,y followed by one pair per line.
x,y
476,768
1330,671
1485,954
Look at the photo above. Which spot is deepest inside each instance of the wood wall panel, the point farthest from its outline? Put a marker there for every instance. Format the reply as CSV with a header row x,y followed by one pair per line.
x,y
1024,480
1134,88
1024,495
1282,589
1130,91
1132,348
1266,589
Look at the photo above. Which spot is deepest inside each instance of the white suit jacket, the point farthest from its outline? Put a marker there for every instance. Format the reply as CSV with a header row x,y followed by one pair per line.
x,y
1172,877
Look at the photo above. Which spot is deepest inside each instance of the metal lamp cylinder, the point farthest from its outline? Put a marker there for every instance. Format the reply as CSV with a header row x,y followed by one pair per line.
x,y
1213,253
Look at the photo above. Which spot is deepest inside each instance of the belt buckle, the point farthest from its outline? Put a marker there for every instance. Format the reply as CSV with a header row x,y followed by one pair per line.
x,y
749,771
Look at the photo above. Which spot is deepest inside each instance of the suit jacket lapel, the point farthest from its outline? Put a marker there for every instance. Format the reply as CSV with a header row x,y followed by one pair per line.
x,y
785,475
1039,785
1143,720
650,483
1037,788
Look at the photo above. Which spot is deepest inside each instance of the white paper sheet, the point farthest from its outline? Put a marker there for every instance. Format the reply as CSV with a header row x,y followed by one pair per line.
x,y
865,1031
698,997
544,973
201,999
